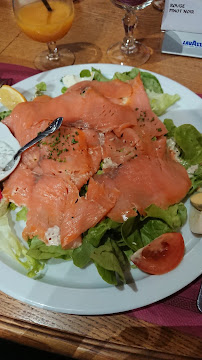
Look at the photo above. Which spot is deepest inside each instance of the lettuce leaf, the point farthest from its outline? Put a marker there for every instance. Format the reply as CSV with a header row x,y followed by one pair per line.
x,y
91,240
11,245
161,102
125,76
140,231
189,139
150,81
98,75
22,214
82,255
196,180
40,88
170,126
110,260
4,114
40,251
175,216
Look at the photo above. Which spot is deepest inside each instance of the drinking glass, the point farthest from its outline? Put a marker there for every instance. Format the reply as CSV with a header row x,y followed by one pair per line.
x,y
46,21
159,4
129,51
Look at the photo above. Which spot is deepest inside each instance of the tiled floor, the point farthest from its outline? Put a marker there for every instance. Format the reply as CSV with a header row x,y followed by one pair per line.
x,y
24,353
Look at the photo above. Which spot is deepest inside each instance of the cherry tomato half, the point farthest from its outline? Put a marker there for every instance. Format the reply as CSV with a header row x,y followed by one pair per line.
x,y
162,255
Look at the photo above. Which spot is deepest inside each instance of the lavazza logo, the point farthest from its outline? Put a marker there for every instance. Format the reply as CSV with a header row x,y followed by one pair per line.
x,y
192,43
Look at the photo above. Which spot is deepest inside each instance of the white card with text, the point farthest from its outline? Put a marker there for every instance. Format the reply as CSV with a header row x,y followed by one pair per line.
x,y
183,15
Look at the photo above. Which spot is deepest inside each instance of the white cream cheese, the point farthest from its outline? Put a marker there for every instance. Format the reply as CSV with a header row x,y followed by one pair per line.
x,y
172,146
53,235
108,163
6,154
191,170
70,80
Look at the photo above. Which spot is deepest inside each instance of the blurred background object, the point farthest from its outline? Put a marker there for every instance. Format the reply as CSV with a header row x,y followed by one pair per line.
x,y
159,4
46,22
129,51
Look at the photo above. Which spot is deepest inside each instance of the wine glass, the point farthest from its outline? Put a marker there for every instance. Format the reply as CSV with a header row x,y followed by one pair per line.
x,y
159,4
129,51
46,21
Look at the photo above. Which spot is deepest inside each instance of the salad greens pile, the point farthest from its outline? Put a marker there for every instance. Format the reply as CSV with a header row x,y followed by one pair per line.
x,y
109,245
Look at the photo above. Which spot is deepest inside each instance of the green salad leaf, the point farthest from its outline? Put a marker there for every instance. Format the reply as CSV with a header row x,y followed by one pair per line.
x,y
40,88
81,256
64,89
12,246
40,251
110,258
98,75
150,82
189,139
175,216
125,76
4,114
140,231
12,206
85,73
170,126
22,214
196,179
161,102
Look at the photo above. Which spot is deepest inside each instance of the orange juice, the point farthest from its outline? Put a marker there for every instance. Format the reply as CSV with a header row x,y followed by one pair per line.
x,y
42,25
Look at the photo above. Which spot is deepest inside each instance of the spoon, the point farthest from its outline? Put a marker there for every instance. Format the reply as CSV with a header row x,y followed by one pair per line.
x,y
49,130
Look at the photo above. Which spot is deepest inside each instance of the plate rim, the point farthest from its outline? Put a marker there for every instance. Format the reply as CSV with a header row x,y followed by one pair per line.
x,y
31,296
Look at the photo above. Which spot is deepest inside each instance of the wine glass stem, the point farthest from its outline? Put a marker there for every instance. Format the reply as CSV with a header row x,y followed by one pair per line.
x,y
128,45
53,54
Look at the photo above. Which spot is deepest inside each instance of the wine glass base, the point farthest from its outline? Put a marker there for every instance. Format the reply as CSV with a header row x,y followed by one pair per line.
x,y
66,57
137,57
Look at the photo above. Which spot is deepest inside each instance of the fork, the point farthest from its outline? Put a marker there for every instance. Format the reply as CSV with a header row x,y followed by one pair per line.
x,y
199,300
8,81
49,130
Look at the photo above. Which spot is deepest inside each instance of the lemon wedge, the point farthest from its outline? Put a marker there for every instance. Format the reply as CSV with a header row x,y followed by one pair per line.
x,y
10,97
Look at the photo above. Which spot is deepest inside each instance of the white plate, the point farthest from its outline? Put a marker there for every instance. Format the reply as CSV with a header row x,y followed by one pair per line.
x,y
7,137
66,288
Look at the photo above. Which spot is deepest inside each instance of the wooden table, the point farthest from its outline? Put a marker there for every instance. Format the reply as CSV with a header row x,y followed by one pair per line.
x,y
97,25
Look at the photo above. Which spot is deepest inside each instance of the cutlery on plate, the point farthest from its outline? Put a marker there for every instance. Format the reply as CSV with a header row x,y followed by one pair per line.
x,y
199,300
49,130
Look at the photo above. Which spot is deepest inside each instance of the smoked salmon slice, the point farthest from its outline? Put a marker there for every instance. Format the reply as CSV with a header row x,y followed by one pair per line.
x,y
144,181
69,153
115,89
18,187
37,113
47,206
87,212
147,120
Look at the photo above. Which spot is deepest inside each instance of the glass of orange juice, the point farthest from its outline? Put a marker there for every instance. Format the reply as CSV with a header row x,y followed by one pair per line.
x,y
46,21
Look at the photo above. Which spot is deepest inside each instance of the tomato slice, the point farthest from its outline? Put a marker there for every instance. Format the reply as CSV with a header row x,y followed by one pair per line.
x,y
162,255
